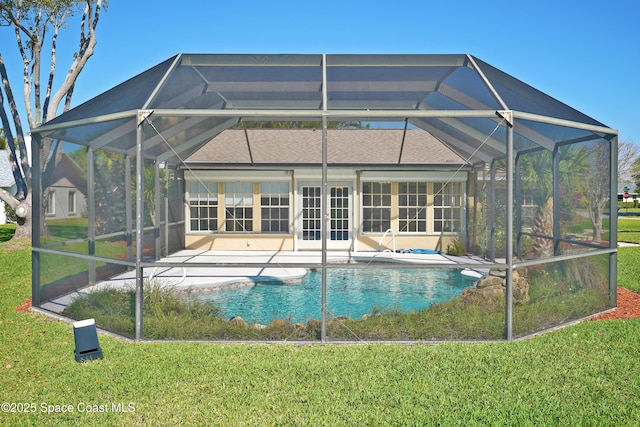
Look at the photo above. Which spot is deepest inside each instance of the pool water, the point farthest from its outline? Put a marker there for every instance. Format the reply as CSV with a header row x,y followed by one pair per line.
x,y
350,292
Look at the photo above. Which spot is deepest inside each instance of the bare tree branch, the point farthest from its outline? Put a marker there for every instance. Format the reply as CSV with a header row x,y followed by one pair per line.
x,y
21,175
36,24
85,52
627,155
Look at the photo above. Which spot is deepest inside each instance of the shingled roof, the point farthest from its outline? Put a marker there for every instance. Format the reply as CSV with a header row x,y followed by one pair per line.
x,y
345,147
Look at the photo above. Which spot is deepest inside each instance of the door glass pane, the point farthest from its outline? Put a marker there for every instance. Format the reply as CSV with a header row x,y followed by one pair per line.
x,y
339,213
311,213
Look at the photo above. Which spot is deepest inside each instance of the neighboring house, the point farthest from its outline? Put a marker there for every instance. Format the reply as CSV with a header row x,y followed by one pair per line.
x,y
6,181
66,195
261,189
632,192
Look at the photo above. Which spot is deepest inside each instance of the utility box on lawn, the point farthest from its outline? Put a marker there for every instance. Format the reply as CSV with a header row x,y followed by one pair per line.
x,y
86,339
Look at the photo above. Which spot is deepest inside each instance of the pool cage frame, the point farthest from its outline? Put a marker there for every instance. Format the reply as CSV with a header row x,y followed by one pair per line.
x,y
446,124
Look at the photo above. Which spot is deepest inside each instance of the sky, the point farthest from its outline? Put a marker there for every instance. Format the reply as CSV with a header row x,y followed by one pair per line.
x,y
584,53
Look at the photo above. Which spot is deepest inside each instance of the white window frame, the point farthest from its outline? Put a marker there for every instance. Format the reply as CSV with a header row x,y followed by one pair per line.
x,y
203,202
72,203
51,202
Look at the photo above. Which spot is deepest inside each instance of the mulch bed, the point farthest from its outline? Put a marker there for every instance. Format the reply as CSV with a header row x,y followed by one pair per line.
x,y
628,306
24,307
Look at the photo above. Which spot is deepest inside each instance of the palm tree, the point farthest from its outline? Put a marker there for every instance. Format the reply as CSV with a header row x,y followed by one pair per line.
x,y
596,186
536,172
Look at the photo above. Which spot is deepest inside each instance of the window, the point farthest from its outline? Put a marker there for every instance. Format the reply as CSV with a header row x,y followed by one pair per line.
x,y
274,207
238,200
72,202
412,207
376,207
51,202
203,206
447,207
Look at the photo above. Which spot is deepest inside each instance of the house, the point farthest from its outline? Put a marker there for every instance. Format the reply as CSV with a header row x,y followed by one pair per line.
x,y
66,193
7,182
261,189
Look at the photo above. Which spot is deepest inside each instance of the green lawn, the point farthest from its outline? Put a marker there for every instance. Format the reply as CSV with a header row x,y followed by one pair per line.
x,y
629,230
585,375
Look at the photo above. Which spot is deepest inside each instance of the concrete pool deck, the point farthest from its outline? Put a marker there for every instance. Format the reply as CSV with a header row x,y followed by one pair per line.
x,y
284,269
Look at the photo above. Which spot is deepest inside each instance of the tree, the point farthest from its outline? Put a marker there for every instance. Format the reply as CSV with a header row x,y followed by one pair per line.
x,y
629,166
627,161
537,172
9,213
36,24
596,186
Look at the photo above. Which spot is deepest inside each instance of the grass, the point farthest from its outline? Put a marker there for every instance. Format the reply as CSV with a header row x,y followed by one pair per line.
x,y
68,228
629,268
585,374
629,230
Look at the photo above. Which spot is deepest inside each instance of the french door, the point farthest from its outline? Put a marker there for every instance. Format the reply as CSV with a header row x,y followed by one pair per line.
x,y
339,209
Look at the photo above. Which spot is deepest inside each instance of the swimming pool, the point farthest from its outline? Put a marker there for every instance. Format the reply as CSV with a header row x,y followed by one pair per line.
x,y
350,292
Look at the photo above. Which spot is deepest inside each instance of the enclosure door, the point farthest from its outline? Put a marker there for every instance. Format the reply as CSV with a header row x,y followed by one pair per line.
x,y
339,203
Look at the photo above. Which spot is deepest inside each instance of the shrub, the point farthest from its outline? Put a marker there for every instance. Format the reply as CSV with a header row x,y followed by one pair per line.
x,y
456,248
167,313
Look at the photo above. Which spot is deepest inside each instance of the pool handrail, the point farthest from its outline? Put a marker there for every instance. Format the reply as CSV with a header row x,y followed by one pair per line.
x,y
393,240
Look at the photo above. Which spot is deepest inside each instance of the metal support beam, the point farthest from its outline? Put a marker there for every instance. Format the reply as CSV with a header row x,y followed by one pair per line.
x,y
246,137
158,206
404,136
91,213
166,211
518,205
128,203
36,218
324,228
613,222
492,213
509,250
139,230
556,199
